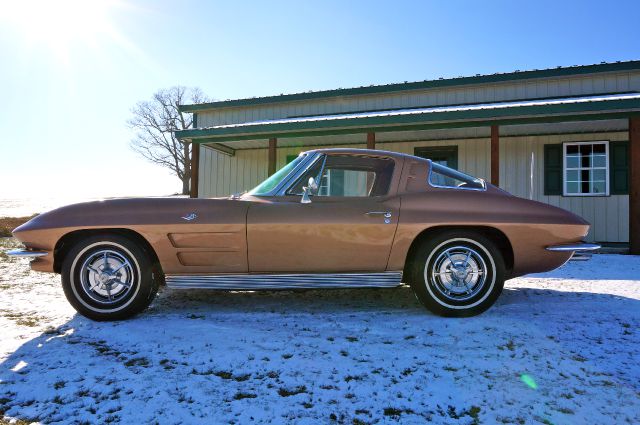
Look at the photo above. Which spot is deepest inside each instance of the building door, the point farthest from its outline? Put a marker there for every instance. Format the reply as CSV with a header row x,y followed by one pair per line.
x,y
443,155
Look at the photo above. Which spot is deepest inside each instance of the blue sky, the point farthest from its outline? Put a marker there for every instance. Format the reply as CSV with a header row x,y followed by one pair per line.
x,y
70,73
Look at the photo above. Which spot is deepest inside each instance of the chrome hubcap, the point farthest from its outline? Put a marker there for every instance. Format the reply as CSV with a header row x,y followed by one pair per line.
x,y
459,273
107,276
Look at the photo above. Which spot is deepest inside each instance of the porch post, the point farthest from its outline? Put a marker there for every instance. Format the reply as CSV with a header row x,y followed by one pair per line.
x,y
495,155
195,169
634,185
371,140
273,144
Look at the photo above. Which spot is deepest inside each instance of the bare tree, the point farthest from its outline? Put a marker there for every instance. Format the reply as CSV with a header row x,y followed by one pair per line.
x,y
155,121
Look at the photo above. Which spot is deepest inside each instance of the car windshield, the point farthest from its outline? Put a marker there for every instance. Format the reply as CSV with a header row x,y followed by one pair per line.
x,y
269,184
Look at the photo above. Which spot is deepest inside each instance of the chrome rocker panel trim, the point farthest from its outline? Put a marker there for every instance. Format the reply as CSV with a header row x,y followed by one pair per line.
x,y
254,282
26,253
574,247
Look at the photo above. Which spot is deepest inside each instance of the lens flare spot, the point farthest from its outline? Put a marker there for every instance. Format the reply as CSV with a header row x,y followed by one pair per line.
x,y
529,381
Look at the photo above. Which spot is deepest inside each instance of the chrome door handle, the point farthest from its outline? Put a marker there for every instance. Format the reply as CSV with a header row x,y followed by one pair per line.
x,y
386,214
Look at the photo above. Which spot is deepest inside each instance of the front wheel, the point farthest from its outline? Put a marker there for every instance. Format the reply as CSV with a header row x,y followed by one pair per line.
x,y
457,273
108,277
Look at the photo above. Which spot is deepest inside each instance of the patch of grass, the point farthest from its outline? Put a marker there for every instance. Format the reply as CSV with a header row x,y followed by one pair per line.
x,y
395,413
349,378
242,378
285,392
167,364
474,413
221,374
408,371
287,356
352,339
15,422
510,345
60,384
30,320
408,337
137,361
241,396
7,224
329,387
566,411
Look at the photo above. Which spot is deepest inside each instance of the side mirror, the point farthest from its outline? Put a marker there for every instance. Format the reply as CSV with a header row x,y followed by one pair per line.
x,y
311,189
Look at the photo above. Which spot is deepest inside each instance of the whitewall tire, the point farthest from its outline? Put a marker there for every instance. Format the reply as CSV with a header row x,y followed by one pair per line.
x,y
457,273
108,277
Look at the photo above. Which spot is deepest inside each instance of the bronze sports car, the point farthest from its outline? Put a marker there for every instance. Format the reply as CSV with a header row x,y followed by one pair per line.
x,y
332,218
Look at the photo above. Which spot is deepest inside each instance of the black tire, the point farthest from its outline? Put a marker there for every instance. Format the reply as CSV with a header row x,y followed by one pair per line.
x,y
98,293
433,272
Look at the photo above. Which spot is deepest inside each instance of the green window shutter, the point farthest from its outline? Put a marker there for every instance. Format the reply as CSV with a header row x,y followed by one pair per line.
x,y
553,169
619,168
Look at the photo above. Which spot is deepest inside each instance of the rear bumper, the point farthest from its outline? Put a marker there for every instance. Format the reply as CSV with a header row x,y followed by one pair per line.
x,y
574,247
26,253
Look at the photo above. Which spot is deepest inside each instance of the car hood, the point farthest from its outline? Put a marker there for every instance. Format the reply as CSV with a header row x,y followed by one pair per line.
x,y
129,211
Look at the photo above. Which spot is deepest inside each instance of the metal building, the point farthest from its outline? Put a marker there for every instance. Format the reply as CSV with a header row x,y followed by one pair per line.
x,y
567,136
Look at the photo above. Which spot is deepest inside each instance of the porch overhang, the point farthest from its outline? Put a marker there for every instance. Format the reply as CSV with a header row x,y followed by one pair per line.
x,y
585,108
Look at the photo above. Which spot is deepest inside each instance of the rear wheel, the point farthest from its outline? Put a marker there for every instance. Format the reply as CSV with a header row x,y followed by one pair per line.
x,y
108,277
457,273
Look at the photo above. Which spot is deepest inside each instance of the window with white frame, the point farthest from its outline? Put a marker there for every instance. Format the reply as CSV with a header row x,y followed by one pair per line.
x,y
586,168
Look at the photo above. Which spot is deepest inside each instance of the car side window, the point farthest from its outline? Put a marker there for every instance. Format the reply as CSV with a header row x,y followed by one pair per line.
x,y
348,175
445,177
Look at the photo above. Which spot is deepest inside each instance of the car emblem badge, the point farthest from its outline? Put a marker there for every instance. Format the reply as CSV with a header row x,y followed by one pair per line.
x,y
190,217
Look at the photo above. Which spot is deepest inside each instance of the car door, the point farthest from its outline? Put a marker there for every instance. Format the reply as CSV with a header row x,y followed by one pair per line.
x,y
348,227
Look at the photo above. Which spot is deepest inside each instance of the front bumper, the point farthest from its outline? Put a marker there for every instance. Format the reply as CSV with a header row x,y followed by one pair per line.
x,y
26,253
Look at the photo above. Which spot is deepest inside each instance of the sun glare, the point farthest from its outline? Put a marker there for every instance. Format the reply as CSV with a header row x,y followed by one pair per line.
x,y
60,25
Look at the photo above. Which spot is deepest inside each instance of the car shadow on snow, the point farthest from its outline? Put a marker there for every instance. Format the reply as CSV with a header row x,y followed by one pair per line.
x,y
195,354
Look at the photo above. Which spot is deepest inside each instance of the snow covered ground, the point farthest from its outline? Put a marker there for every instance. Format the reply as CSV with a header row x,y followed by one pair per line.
x,y
560,347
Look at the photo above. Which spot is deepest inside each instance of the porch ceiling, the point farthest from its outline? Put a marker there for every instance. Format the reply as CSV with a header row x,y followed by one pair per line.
x,y
575,127
587,108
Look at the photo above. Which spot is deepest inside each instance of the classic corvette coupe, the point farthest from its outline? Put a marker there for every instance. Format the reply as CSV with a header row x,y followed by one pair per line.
x,y
332,218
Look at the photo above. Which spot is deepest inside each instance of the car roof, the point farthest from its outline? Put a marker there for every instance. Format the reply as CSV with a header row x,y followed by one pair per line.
x,y
373,152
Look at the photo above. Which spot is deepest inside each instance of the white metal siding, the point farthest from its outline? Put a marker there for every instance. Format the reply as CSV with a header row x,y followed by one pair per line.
x,y
541,88
608,215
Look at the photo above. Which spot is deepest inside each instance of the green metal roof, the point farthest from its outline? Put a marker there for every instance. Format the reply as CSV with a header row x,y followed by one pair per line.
x,y
419,85
515,112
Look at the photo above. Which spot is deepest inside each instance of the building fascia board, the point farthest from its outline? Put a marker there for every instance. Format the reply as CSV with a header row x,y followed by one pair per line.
x,y
609,109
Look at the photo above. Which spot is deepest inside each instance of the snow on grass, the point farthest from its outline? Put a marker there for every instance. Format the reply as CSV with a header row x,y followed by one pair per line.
x,y
560,347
